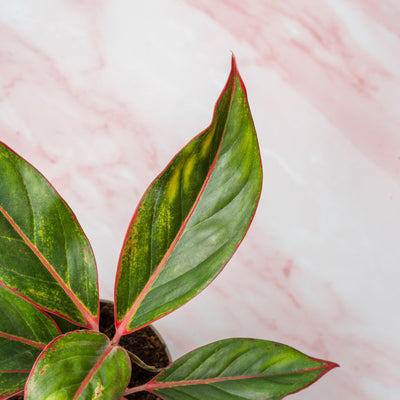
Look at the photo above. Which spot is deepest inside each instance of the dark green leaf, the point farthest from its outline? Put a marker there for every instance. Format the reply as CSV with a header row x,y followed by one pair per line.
x,y
24,332
81,365
238,369
64,325
192,217
44,255
12,383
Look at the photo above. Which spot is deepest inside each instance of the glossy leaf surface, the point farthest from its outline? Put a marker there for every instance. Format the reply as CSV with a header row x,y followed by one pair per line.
x,y
44,255
80,365
24,332
238,369
192,217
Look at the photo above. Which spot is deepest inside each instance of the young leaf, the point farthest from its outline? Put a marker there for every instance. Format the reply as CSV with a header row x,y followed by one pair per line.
x,y
24,332
192,217
44,255
237,369
80,365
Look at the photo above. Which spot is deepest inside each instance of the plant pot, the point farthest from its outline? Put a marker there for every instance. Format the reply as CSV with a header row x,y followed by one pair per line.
x,y
145,343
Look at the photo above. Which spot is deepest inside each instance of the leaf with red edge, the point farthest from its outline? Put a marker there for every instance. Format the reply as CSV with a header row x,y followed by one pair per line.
x,y
44,255
237,369
192,217
80,365
24,332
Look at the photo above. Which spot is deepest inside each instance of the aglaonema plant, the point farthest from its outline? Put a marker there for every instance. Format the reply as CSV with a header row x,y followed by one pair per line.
x,y
186,227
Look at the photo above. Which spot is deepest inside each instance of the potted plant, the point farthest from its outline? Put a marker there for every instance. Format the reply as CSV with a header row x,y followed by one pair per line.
x,y
186,227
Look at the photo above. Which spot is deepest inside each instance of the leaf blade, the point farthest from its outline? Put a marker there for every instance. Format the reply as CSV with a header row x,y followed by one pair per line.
x,y
233,369
44,254
13,383
24,332
199,208
77,366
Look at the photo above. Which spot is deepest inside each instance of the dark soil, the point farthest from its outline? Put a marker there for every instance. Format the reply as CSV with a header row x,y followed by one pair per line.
x,y
144,343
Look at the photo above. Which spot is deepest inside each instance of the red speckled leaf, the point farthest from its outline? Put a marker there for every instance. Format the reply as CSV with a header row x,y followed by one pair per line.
x,y
237,369
192,217
24,332
80,365
45,257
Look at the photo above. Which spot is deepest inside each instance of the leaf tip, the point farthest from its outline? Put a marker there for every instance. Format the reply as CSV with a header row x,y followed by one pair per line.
x,y
234,68
331,365
327,365
235,74
233,61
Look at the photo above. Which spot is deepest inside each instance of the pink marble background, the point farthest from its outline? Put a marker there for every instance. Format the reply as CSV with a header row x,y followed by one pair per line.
x,y
99,95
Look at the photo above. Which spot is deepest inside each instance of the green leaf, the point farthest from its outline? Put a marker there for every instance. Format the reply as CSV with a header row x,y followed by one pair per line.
x,y
237,369
64,325
79,365
44,254
192,217
24,332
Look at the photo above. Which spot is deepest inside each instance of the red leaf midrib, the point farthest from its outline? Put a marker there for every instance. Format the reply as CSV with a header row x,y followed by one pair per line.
x,y
158,385
23,340
94,369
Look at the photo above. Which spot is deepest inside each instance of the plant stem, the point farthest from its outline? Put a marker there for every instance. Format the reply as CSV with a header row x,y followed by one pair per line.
x,y
142,364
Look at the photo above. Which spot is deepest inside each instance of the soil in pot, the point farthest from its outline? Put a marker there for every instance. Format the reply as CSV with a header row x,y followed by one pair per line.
x,y
144,343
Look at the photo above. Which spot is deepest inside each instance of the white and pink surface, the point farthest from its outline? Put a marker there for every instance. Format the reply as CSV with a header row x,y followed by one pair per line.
x,y
99,95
